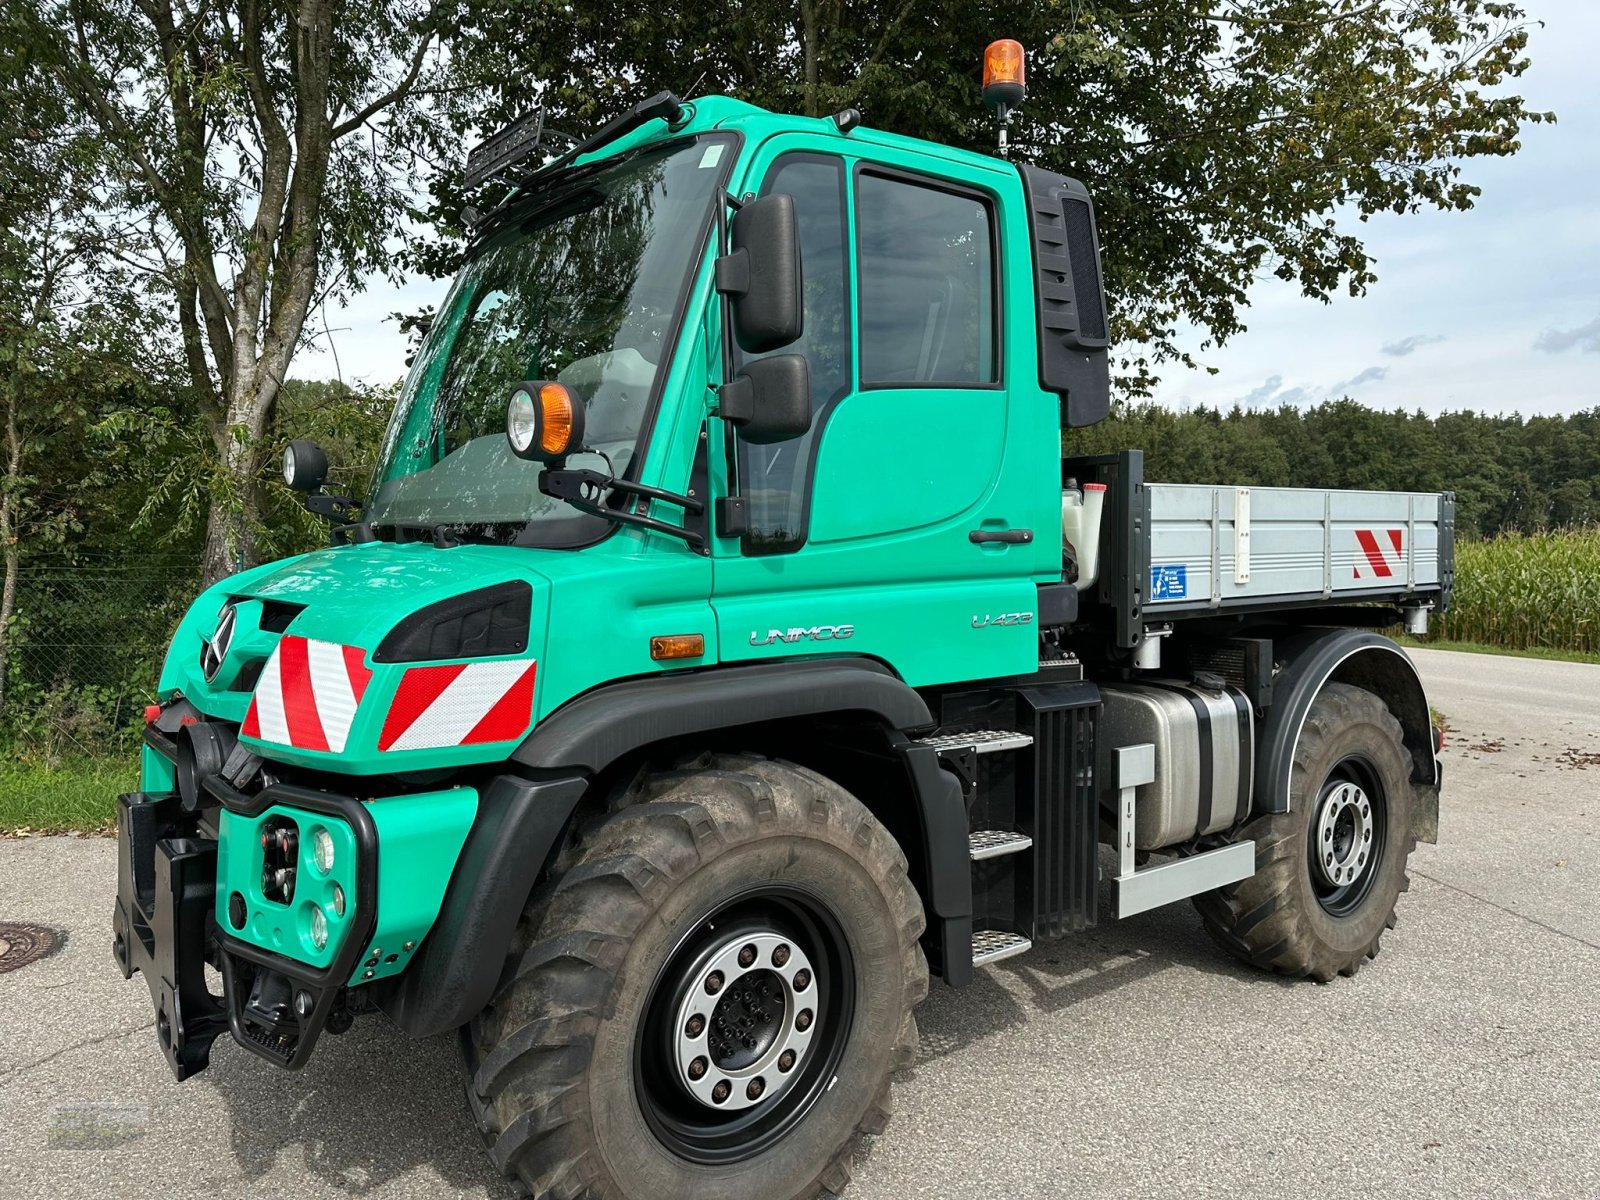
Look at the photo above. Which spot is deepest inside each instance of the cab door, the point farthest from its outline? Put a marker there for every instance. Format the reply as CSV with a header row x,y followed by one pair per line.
x,y
893,528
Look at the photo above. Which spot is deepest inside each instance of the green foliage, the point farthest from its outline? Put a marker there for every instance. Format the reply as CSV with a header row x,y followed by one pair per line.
x,y
1527,591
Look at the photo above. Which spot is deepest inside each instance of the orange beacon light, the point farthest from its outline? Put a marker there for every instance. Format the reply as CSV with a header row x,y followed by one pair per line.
x,y
1005,82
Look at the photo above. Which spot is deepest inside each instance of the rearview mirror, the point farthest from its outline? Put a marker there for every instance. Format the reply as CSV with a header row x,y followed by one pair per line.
x,y
770,400
761,275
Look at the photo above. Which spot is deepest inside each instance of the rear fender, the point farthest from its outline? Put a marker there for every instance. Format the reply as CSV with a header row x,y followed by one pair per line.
x,y
1308,662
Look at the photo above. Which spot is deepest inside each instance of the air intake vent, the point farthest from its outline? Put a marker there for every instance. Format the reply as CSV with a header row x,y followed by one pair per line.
x,y
483,624
1085,256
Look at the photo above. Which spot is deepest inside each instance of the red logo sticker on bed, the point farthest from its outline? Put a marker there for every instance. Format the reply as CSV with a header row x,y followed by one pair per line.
x,y
1383,550
463,704
307,695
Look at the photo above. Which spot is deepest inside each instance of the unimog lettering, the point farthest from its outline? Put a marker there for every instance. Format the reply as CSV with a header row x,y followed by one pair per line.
x,y
815,633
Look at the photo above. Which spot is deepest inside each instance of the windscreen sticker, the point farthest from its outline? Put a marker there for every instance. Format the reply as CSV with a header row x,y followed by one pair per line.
x,y
712,156
1169,582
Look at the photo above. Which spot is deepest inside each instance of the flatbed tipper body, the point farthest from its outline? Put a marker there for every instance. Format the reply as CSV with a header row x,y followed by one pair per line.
x,y
1218,547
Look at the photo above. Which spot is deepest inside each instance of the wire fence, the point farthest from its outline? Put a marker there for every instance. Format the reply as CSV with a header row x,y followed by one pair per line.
x,y
84,650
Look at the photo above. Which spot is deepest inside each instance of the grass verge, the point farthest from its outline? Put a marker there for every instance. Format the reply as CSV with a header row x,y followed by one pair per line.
x,y
1540,652
78,796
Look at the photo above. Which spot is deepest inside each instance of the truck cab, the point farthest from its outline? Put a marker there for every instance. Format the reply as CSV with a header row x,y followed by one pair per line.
x,y
726,641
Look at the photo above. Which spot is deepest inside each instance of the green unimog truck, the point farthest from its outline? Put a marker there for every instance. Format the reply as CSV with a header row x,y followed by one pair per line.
x,y
726,645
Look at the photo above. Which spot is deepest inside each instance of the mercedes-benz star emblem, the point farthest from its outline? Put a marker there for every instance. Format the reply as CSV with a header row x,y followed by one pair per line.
x,y
216,648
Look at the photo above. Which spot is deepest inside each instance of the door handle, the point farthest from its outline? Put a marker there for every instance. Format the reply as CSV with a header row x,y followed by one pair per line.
x,y
1009,537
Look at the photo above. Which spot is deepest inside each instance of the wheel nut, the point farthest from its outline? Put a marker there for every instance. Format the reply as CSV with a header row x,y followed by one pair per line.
x,y
786,1061
714,982
697,1026
697,1069
757,1086
747,956
720,1092
802,980
780,955
803,1021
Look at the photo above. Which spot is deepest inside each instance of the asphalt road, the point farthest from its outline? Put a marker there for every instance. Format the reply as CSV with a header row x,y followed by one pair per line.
x,y
1135,1061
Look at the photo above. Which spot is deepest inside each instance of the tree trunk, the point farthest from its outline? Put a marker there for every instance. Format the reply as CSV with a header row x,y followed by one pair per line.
x,y
235,517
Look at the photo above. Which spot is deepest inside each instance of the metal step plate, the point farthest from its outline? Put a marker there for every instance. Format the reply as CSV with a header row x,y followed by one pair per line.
x,y
991,945
983,741
992,843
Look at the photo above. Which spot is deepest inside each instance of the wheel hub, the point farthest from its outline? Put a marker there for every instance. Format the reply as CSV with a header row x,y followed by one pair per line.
x,y
1344,834
745,1019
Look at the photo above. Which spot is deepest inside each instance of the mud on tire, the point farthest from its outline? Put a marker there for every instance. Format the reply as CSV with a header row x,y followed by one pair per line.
x,y
568,1090
1288,917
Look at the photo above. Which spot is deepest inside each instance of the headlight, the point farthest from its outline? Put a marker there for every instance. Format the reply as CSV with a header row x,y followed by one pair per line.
x,y
338,900
319,929
522,421
322,849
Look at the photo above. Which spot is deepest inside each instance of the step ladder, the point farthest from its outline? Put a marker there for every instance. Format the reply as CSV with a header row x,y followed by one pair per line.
x,y
1001,856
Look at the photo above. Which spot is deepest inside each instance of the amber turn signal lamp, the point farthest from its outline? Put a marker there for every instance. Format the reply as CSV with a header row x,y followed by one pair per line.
x,y
678,645
1005,83
544,421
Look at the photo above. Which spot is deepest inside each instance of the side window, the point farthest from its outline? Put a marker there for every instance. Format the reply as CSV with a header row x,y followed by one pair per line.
x,y
926,262
776,479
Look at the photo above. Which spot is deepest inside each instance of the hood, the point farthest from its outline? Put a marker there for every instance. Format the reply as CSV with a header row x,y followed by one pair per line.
x,y
380,655
354,595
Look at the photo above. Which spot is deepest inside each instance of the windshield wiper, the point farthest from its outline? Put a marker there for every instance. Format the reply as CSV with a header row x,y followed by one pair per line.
x,y
440,531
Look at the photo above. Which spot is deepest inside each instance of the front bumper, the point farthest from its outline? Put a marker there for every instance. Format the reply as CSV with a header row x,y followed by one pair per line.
x,y
165,927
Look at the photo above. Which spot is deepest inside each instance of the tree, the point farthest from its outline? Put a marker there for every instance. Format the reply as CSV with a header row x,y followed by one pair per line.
x,y
1224,140
70,323
267,148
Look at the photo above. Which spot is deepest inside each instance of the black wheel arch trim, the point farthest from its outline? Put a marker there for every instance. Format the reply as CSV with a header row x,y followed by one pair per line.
x,y
595,729
1313,658
519,827
521,821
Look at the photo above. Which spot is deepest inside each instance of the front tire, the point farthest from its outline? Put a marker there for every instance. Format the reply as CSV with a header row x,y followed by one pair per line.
x,y
712,996
1330,870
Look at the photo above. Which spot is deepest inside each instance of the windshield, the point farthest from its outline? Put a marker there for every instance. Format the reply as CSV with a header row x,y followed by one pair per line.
x,y
584,290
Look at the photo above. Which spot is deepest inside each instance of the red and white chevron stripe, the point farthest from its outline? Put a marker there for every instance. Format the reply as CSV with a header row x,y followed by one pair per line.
x,y
1382,560
463,704
307,695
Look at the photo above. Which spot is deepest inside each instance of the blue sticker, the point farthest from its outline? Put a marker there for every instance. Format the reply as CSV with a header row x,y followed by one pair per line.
x,y
1170,582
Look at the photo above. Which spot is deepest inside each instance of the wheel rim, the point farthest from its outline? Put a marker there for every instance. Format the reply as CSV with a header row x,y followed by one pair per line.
x,y
1347,836
745,1025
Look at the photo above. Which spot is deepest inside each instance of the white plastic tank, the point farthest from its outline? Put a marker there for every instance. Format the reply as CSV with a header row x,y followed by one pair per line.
x,y
1080,526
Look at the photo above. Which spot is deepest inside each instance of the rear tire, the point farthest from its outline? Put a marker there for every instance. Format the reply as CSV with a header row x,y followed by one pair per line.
x,y
1330,870
753,903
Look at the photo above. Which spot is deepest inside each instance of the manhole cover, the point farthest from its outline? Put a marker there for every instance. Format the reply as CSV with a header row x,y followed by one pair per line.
x,y
23,944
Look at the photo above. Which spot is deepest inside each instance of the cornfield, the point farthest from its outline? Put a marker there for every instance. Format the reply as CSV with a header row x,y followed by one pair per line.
x,y
1522,592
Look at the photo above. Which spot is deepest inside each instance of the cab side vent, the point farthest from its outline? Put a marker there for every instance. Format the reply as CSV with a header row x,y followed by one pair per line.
x,y
1085,256
486,623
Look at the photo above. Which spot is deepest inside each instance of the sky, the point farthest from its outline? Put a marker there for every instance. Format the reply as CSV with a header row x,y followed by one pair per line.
x,y
1496,309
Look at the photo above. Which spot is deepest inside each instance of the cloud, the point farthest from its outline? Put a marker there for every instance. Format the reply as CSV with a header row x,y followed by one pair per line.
x,y
1406,345
1585,337
1261,396
1343,388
